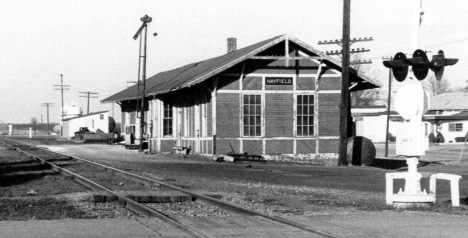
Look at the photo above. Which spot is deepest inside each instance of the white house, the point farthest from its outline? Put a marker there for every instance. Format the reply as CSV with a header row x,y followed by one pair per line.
x,y
92,121
373,125
371,122
448,115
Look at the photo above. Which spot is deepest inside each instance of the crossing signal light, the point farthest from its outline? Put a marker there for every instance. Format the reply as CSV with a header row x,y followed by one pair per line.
x,y
439,62
399,66
420,63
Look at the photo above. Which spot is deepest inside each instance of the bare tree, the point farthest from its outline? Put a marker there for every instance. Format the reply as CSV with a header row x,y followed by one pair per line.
x,y
435,86
460,88
34,122
365,97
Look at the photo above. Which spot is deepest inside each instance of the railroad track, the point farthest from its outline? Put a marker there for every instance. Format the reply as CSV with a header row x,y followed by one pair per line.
x,y
83,172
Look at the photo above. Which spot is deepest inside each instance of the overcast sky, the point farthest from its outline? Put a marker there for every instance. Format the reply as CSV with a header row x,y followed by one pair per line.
x,y
90,42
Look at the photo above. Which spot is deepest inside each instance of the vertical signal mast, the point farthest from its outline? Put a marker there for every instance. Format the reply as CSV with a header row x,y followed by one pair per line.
x,y
146,19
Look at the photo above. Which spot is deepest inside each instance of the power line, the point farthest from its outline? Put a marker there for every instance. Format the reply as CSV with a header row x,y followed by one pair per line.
x,y
48,104
351,51
340,42
88,95
448,42
62,87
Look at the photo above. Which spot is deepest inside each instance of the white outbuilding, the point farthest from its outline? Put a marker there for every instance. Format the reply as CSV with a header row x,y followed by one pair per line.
x,y
92,121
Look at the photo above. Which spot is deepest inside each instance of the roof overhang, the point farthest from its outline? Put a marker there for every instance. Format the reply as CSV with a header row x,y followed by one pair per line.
x,y
363,81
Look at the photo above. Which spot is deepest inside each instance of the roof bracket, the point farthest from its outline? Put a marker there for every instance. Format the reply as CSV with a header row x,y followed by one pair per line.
x,y
207,88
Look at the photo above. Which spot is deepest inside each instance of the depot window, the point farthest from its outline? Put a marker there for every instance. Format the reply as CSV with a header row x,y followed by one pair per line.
x,y
305,115
167,120
252,115
455,127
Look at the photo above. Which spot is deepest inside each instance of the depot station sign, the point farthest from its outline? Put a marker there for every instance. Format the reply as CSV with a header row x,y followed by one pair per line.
x,y
278,81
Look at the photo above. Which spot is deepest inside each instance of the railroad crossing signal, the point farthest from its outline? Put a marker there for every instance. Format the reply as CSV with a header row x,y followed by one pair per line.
x,y
420,63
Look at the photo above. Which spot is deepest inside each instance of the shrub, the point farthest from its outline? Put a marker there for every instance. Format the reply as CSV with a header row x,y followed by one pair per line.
x,y
361,151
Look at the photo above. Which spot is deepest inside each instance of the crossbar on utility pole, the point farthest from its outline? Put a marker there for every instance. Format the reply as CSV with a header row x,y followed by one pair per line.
x,y
340,42
88,95
344,113
62,87
47,104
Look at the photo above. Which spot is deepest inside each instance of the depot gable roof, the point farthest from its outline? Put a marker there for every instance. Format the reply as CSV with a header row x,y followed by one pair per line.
x,y
197,72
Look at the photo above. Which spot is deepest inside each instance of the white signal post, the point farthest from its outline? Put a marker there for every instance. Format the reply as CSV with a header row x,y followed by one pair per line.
x,y
411,103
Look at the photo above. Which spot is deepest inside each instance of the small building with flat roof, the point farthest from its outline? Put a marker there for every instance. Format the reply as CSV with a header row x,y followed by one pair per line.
x,y
93,121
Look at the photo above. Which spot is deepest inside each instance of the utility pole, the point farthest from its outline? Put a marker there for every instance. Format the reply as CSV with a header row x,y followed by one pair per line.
x,y
344,104
145,19
42,122
88,95
62,87
388,104
355,95
47,104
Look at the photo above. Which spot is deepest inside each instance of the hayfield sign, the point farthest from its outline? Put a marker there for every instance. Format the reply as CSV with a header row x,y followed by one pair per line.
x,y
278,81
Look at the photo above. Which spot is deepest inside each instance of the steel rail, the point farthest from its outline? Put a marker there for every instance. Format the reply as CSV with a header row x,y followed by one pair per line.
x,y
128,203
204,198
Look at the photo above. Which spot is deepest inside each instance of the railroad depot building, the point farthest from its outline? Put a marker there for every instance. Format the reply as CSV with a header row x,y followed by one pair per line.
x,y
276,97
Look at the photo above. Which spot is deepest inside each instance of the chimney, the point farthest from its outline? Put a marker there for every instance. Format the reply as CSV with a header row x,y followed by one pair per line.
x,y
231,44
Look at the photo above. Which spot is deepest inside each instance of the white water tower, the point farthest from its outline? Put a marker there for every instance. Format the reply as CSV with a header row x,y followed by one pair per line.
x,y
72,111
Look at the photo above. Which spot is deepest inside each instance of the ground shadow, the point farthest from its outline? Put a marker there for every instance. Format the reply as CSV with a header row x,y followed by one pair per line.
x,y
15,179
10,163
389,164
398,165
463,201
23,167
30,167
